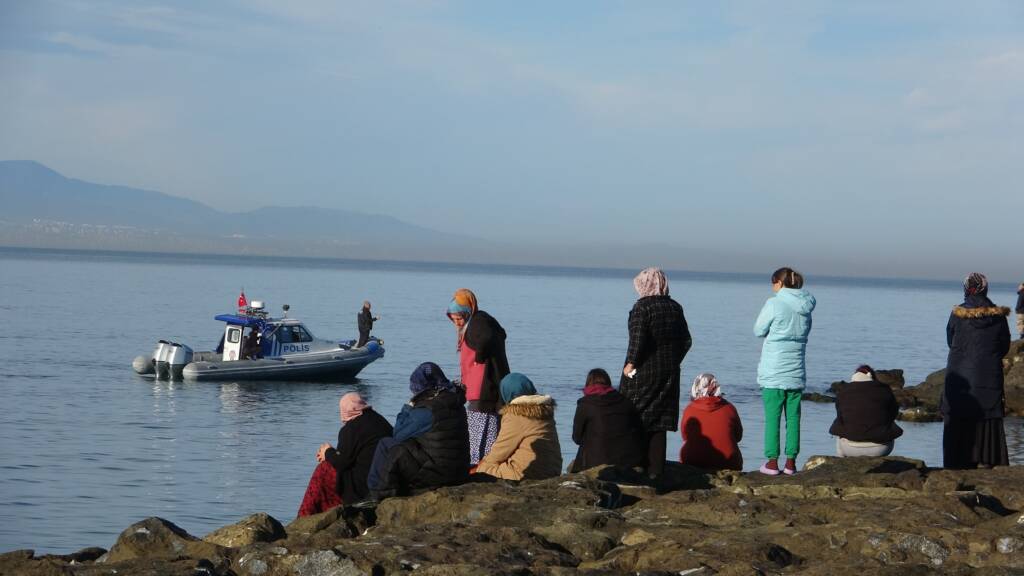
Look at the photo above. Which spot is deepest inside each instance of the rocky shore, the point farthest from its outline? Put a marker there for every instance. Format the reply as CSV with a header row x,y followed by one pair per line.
x,y
852,516
921,403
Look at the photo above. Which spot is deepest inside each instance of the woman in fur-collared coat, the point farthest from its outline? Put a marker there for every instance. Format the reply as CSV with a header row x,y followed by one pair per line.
x,y
527,447
972,400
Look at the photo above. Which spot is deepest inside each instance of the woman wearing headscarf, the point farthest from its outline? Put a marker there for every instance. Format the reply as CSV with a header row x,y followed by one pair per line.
x,y
527,447
607,427
711,428
483,363
972,401
658,340
341,475
866,411
430,446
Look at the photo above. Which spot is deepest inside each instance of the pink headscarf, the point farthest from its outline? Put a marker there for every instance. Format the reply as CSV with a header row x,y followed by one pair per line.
x,y
351,406
705,385
651,282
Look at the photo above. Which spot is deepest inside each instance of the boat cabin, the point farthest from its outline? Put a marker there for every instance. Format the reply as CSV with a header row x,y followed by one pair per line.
x,y
274,337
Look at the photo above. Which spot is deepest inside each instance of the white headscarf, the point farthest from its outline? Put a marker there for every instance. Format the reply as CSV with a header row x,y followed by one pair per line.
x,y
651,282
705,385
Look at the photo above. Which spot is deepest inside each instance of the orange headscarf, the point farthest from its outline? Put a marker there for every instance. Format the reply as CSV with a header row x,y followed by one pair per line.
x,y
463,304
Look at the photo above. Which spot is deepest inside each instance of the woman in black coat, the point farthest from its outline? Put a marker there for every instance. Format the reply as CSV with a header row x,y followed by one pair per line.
x,y
866,411
658,340
430,446
972,400
607,427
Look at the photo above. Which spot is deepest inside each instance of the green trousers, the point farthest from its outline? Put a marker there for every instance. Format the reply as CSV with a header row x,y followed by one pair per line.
x,y
777,402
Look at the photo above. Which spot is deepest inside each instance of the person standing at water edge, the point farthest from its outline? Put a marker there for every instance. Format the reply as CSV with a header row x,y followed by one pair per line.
x,y
972,400
365,321
482,359
658,341
1020,311
784,323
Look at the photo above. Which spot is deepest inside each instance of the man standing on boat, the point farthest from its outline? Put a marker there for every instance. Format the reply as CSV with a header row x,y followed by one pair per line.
x,y
366,320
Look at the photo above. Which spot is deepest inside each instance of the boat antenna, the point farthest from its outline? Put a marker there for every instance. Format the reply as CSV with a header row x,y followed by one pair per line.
x,y
286,308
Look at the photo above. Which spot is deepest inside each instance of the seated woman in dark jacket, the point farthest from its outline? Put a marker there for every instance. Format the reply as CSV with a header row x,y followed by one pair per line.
x,y
341,475
430,447
607,427
866,411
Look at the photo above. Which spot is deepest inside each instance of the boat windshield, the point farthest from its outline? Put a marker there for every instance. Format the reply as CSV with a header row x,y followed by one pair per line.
x,y
290,334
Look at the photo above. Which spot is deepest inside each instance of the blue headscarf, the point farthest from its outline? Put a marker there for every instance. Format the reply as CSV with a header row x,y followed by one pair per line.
x,y
428,376
515,385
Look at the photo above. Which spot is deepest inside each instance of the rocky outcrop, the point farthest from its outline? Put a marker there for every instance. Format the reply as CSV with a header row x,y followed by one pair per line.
x,y
838,516
924,398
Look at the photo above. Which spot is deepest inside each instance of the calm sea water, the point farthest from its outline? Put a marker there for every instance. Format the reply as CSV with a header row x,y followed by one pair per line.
x,y
88,447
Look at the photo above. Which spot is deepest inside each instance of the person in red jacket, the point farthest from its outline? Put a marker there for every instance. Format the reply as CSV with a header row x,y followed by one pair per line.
x,y
711,428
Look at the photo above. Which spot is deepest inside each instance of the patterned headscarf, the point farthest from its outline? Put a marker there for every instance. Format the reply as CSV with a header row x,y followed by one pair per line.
x,y
651,282
428,376
463,303
975,284
351,406
705,385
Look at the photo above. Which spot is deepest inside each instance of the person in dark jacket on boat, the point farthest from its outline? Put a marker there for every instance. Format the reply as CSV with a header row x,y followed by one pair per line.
x,y
606,427
658,340
341,475
973,400
430,446
866,411
365,320
480,342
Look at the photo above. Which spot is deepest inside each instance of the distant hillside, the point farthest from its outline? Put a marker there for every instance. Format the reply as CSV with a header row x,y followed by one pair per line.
x,y
45,208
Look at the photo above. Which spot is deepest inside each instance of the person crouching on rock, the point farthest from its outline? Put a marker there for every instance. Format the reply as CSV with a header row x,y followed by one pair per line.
x,y
711,428
607,427
430,446
866,411
341,473
527,447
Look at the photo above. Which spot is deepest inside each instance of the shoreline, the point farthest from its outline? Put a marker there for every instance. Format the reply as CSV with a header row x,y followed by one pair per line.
x,y
838,516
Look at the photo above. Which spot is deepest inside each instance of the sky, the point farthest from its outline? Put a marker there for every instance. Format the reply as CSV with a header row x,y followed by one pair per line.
x,y
866,138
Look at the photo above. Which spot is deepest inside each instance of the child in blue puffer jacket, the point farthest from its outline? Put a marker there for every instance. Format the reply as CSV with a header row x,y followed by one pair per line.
x,y
784,323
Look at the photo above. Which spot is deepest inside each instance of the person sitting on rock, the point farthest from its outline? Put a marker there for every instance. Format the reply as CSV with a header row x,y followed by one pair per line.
x,y
866,411
341,473
430,446
527,447
711,428
607,427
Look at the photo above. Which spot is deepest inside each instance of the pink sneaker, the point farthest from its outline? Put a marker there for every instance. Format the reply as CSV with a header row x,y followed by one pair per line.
x,y
771,468
790,468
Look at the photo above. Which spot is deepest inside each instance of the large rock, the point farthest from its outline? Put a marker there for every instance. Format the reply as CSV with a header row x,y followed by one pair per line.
x,y
156,538
928,393
259,527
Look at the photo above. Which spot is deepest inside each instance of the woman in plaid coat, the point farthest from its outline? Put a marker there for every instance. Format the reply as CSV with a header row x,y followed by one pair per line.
x,y
658,340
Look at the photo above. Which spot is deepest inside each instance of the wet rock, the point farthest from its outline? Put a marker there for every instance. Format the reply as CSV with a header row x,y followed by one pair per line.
x,y
919,414
157,538
259,527
817,397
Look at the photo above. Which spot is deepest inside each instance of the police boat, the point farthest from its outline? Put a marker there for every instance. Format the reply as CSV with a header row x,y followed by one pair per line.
x,y
257,347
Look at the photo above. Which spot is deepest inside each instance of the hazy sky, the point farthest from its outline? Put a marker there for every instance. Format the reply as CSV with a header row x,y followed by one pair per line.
x,y
879,136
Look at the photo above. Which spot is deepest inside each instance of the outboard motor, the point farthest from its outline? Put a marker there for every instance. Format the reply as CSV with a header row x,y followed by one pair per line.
x,y
160,357
177,358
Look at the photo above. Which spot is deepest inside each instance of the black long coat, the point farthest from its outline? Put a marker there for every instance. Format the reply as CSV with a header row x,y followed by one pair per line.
x,y
658,340
866,412
608,430
437,457
978,338
357,442
486,336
